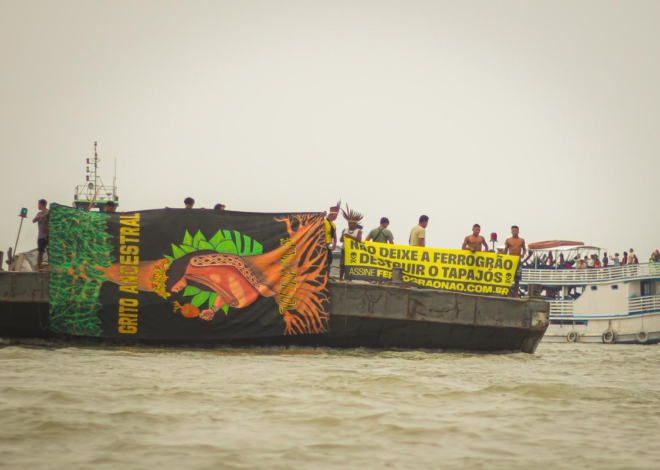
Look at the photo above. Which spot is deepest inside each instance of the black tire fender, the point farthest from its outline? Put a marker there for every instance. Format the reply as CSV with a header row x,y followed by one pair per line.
x,y
609,337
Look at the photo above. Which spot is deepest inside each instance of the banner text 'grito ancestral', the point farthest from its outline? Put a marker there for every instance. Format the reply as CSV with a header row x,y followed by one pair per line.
x,y
129,270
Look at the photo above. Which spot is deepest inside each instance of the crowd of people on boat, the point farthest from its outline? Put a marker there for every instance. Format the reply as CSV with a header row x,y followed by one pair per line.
x,y
592,261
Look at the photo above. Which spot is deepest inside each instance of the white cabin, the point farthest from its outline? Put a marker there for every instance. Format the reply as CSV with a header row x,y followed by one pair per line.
x,y
613,304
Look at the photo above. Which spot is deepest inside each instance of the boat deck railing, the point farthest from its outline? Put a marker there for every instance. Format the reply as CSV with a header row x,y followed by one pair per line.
x,y
647,303
561,307
558,277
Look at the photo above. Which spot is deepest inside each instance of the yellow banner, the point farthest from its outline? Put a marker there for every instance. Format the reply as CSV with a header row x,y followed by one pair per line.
x,y
438,268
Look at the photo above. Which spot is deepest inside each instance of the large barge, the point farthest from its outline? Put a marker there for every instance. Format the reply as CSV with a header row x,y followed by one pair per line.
x,y
361,315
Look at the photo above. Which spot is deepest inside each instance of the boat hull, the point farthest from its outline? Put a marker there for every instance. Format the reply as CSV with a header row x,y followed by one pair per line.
x,y
361,315
621,329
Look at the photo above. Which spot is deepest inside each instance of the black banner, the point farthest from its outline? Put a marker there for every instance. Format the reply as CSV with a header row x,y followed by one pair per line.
x,y
187,274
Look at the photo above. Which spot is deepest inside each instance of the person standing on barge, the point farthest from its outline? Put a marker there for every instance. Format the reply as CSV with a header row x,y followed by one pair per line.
x,y
41,219
418,232
353,232
381,234
475,241
331,231
515,246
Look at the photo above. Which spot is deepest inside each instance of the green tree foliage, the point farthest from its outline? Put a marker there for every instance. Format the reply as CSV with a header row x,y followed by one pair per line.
x,y
79,242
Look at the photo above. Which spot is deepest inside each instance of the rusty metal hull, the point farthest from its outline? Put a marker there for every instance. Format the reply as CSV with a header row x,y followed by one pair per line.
x,y
362,315
388,316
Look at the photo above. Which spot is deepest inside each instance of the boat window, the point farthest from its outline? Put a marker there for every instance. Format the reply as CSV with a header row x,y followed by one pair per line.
x,y
615,287
646,288
594,287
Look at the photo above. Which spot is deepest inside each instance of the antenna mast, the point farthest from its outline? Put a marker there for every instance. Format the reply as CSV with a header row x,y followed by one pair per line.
x,y
114,182
94,194
96,164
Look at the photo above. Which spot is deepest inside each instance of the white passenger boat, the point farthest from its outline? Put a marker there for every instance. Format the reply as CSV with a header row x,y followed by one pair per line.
x,y
595,305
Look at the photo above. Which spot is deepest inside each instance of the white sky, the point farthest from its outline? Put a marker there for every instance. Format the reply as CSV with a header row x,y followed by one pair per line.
x,y
540,114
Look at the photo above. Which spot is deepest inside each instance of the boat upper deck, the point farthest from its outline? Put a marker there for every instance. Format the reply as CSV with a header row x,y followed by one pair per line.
x,y
563,277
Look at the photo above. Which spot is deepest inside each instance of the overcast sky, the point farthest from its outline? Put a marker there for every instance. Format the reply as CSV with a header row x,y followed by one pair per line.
x,y
540,114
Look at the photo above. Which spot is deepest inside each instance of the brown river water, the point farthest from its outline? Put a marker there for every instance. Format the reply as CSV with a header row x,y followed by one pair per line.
x,y
568,406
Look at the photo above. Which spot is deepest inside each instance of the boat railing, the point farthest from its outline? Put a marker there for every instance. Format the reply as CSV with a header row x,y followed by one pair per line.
x,y
647,303
561,307
590,275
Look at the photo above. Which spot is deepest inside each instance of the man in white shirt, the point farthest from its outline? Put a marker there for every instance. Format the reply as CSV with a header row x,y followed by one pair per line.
x,y
615,260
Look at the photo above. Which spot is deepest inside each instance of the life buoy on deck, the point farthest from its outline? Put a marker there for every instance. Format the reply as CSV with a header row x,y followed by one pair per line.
x,y
572,336
642,337
609,337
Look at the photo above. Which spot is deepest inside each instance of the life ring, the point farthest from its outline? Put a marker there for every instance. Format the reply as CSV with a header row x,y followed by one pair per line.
x,y
609,337
642,337
572,336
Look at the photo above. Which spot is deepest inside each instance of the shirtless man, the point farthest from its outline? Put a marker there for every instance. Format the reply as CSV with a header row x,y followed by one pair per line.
x,y
515,246
475,241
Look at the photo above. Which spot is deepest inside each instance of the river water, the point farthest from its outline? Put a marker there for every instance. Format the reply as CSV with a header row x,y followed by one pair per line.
x,y
568,406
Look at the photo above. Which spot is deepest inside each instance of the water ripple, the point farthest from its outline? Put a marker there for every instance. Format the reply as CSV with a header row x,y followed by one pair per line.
x,y
568,406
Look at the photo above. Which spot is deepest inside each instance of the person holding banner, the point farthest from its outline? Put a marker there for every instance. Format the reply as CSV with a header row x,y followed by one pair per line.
x,y
475,241
418,232
381,234
110,207
188,203
353,232
515,246
331,231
